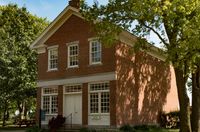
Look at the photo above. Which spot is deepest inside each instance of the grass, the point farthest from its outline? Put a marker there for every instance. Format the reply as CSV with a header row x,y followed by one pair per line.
x,y
157,130
13,128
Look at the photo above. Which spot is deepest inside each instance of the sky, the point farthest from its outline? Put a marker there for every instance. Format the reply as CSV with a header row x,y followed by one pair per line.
x,y
51,8
45,8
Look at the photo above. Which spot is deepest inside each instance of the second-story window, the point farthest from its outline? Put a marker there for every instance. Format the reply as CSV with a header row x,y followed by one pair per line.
x,y
73,55
95,52
53,58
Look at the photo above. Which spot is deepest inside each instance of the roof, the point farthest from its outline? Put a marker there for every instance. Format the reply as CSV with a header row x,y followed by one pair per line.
x,y
125,36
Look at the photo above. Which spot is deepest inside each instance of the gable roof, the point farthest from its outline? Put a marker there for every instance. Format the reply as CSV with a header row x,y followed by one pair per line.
x,y
57,22
125,36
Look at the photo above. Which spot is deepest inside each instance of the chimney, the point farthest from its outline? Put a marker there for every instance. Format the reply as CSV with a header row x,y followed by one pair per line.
x,y
74,3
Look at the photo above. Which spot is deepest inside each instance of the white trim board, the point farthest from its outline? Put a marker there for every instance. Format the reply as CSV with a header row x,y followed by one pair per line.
x,y
85,79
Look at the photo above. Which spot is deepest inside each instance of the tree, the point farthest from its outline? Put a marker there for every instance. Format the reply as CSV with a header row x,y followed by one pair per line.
x,y
18,28
176,23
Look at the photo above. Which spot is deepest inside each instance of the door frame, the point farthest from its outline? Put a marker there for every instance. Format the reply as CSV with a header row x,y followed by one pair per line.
x,y
73,93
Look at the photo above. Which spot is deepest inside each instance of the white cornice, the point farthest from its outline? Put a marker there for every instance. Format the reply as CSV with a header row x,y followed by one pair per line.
x,y
84,79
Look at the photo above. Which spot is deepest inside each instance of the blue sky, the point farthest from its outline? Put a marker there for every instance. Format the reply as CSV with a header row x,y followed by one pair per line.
x,y
51,8
45,8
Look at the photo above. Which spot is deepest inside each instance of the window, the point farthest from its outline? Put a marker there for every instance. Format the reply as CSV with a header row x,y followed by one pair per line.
x,y
99,98
73,55
50,100
73,88
95,52
53,58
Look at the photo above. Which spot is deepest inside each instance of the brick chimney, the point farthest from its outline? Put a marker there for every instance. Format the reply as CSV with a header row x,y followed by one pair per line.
x,y
74,3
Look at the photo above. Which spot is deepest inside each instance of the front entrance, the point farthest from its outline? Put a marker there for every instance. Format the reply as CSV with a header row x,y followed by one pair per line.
x,y
73,107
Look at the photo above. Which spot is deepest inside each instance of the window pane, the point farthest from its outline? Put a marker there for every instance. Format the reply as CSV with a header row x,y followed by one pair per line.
x,y
99,98
54,104
95,51
73,88
94,103
105,102
50,90
46,104
99,86
53,58
73,55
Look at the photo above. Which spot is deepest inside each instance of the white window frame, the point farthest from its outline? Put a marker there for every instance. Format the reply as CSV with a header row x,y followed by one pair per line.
x,y
75,43
91,41
77,84
50,104
99,98
55,47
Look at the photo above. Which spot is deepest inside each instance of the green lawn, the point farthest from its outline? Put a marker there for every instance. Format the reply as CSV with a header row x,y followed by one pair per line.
x,y
12,128
158,130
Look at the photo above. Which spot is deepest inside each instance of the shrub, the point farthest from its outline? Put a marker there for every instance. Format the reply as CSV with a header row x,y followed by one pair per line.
x,y
142,127
126,128
84,130
147,128
55,123
170,120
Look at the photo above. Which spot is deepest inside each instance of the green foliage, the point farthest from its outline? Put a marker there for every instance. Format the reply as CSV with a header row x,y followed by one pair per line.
x,y
142,128
170,120
18,28
35,129
126,128
176,24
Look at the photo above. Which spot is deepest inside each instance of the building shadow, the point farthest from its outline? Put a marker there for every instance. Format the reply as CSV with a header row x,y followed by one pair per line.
x,y
143,83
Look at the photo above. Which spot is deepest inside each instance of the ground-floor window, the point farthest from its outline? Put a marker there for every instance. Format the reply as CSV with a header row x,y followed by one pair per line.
x,y
99,98
50,100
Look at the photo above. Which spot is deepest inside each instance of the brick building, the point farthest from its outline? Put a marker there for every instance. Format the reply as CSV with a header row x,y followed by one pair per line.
x,y
98,85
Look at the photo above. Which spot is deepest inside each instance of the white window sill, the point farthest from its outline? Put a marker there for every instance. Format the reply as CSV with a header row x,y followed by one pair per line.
x,y
96,64
52,70
71,67
99,114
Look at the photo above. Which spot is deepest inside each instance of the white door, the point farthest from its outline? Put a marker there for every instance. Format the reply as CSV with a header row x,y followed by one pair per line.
x,y
73,107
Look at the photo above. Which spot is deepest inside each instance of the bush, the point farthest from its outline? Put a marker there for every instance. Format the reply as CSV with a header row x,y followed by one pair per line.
x,y
147,128
126,128
170,120
142,127
55,123
84,130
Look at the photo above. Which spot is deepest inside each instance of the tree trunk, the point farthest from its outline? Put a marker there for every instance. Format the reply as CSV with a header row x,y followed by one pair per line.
x,y
184,103
196,101
4,114
20,108
25,110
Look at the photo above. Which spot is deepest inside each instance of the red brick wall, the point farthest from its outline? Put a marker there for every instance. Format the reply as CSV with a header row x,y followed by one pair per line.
x,y
85,104
60,100
39,91
143,84
172,96
113,103
74,29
